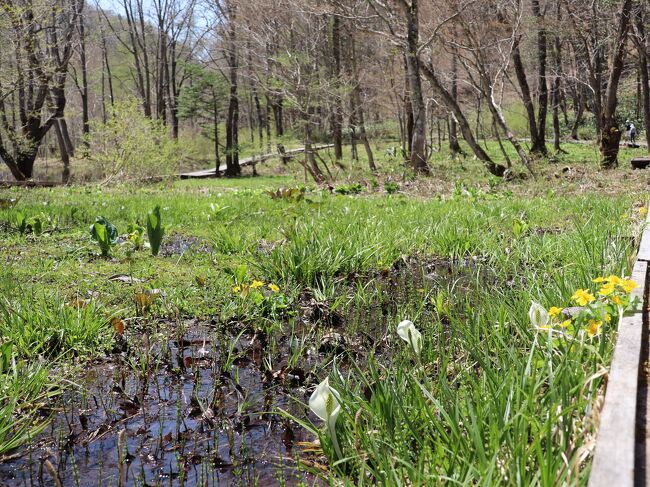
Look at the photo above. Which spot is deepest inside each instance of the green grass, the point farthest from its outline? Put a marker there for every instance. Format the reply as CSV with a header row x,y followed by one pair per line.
x,y
490,401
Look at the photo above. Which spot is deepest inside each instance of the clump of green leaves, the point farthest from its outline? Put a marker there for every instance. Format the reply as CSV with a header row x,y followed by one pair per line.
x,y
520,227
105,234
136,235
20,222
354,188
155,230
391,187
35,224
293,194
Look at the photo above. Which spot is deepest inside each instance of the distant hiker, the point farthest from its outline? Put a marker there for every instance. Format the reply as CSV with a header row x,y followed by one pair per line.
x,y
631,131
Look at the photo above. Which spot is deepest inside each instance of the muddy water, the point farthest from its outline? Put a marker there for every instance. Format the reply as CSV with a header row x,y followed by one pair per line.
x,y
187,421
201,407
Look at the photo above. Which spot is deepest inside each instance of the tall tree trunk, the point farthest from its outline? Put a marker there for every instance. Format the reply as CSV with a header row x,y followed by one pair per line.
x,y
106,67
215,133
454,146
611,133
578,109
63,152
232,123
85,121
337,115
278,117
66,136
542,98
173,89
556,83
641,42
522,81
418,156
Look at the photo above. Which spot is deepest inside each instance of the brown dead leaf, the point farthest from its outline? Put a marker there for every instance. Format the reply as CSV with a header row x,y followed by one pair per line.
x,y
7,203
118,326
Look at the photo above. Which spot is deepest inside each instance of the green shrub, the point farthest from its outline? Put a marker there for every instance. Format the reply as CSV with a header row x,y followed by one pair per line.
x,y
130,146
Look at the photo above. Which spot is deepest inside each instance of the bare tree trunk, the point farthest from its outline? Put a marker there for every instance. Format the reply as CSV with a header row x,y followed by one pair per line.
x,y
454,146
641,42
611,133
232,123
556,84
84,82
418,156
454,107
337,115
278,117
215,133
501,122
310,160
579,109
66,136
173,90
106,69
536,144
63,152
542,98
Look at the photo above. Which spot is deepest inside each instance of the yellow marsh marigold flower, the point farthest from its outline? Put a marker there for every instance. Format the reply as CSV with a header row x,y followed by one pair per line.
x,y
608,317
643,211
607,289
617,300
628,285
565,324
274,287
256,284
583,297
554,311
599,280
614,280
236,289
594,327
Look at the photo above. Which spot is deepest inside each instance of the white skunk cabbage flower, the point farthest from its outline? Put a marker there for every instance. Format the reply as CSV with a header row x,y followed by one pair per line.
x,y
538,315
324,402
410,334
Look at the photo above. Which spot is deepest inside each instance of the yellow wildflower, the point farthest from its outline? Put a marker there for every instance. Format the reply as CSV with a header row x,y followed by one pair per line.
x,y
599,279
643,211
256,284
583,297
617,300
554,311
614,280
274,287
594,327
236,289
608,317
607,289
565,324
628,285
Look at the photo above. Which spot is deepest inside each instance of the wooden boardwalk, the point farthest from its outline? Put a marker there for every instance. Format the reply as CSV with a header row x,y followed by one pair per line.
x,y
250,161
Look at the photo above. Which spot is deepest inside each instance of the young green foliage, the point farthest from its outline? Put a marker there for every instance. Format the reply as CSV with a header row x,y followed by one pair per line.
x,y
105,234
155,230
